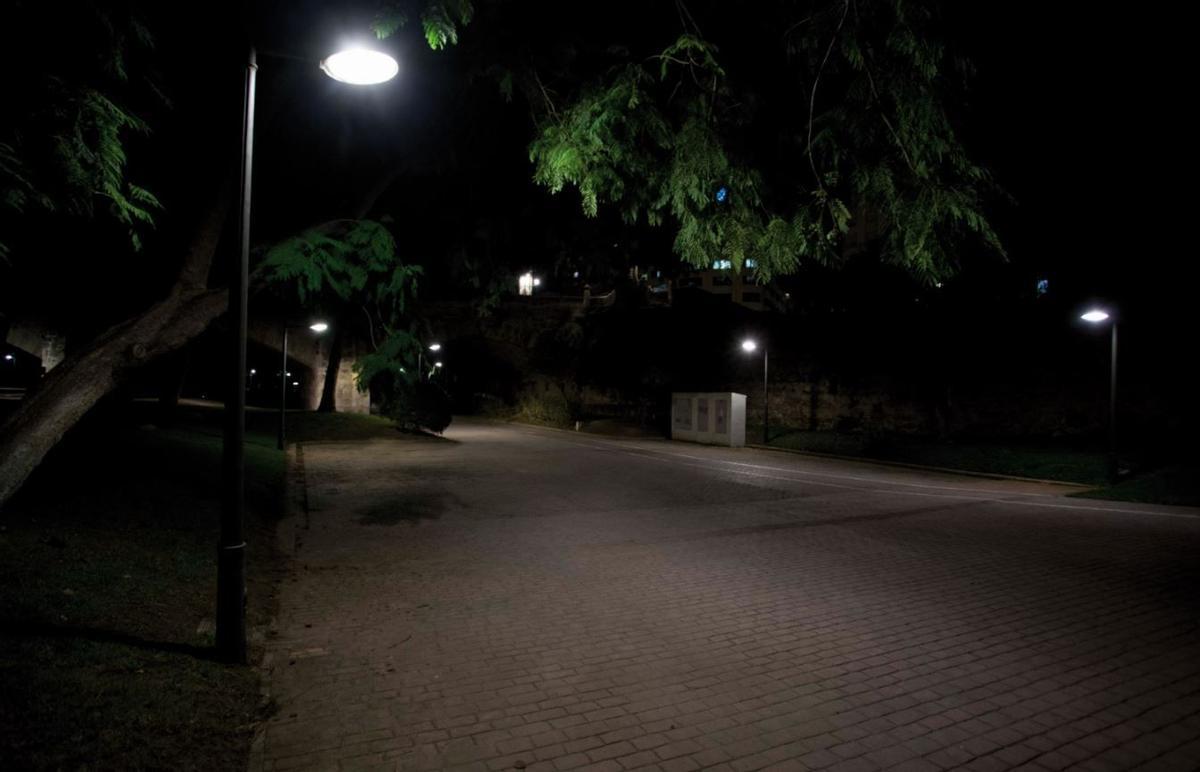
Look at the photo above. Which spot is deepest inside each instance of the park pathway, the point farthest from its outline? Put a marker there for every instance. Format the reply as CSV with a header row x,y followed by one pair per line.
x,y
517,598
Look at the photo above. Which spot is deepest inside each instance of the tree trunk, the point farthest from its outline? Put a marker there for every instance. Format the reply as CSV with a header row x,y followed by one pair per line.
x,y
329,391
72,388
84,377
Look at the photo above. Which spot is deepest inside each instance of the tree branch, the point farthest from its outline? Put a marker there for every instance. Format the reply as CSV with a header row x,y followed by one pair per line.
x,y
812,99
550,109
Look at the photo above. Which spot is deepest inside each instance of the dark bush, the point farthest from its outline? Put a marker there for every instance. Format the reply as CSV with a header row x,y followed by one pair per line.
x,y
415,406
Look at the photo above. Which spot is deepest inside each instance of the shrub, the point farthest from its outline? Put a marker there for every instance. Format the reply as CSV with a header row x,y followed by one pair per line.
x,y
416,406
550,409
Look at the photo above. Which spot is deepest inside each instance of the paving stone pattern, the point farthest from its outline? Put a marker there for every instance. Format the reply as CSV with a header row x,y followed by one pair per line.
x,y
526,599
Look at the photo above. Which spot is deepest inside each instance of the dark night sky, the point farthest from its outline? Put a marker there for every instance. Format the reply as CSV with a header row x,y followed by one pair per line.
x,y
1068,109
1075,112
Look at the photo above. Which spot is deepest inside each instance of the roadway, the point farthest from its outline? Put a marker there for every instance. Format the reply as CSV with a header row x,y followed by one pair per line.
x,y
514,597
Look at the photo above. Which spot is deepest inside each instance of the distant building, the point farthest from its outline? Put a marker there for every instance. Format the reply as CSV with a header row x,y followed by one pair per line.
x,y
740,287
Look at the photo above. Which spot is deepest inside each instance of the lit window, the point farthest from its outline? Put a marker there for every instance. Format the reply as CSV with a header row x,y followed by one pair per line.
x,y
1043,286
722,265
525,284
751,262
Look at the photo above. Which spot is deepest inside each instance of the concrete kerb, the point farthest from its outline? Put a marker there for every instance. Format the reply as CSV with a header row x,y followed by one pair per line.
x,y
1075,487
295,503
502,422
856,459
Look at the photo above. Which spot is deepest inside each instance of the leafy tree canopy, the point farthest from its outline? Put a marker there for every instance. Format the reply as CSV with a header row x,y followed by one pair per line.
x,y
353,265
769,150
63,142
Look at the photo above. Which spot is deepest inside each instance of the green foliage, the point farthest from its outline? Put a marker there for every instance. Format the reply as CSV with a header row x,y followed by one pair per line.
x,y
607,142
388,21
548,409
348,259
440,20
656,138
65,149
393,362
91,158
871,141
353,264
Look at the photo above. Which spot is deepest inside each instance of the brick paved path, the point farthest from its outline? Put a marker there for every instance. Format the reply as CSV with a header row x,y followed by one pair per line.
x,y
530,599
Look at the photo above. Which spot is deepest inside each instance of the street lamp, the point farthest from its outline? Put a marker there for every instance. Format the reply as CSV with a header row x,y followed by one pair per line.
x,y
360,67
1097,316
356,66
749,345
434,347
318,328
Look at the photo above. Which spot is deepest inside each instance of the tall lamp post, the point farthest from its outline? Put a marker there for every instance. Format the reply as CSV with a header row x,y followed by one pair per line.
x,y
750,346
318,328
1098,316
357,66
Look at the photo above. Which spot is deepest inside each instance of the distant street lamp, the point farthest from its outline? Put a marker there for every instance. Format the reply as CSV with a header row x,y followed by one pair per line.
x,y
434,347
1096,316
750,346
358,66
526,282
318,328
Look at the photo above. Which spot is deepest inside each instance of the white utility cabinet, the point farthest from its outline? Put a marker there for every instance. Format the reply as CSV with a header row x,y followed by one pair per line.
x,y
714,418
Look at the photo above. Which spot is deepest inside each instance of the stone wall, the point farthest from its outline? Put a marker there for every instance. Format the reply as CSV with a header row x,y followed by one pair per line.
x,y
825,405
347,398
888,406
312,351
45,344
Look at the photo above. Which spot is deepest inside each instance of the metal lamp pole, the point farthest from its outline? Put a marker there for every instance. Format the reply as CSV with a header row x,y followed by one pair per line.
x,y
766,402
749,345
1113,468
231,549
283,376
1096,316
358,67
317,327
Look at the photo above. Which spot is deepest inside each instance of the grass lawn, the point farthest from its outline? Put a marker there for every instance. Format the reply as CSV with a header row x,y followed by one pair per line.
x,y
1175,484
107,588
1044,461
1178,484
324,427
